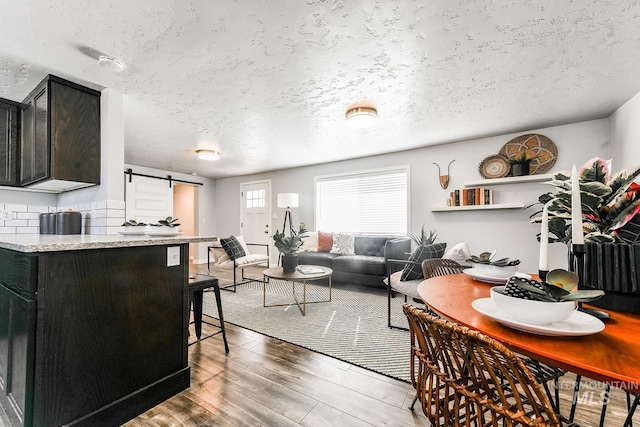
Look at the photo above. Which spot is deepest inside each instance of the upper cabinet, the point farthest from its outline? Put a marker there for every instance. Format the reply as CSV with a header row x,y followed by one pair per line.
x,y
60,141
9,123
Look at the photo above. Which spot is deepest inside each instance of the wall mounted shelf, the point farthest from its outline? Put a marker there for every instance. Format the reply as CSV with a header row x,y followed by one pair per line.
x,y
509,180
479,207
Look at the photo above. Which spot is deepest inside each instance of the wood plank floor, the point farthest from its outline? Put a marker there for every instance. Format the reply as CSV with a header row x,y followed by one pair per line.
x,y
264,381
267,382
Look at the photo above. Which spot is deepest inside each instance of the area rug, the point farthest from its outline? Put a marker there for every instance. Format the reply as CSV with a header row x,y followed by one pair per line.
x,y
352,327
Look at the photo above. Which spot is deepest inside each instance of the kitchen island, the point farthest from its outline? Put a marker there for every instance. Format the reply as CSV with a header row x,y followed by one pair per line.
x,y
93,329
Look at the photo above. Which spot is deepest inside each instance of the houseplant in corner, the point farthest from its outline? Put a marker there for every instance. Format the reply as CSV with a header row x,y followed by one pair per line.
x,y
288,246
611,226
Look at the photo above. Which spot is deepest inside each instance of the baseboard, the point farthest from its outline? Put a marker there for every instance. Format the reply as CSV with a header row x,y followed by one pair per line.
x,y
134,404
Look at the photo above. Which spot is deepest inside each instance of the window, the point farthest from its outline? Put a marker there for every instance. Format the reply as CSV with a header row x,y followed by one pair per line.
x,y
371,202
255,198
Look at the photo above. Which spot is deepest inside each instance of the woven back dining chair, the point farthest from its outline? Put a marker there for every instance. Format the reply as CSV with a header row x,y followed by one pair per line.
x,y
440,267
466,378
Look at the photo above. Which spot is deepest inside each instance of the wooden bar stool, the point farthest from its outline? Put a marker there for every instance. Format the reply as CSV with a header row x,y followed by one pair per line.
x,y
197,285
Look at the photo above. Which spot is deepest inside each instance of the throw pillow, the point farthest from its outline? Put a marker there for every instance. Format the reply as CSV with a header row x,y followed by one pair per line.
x,y
414,271
309,241
459,253
233,247
343,244
219,254
325,241
245,248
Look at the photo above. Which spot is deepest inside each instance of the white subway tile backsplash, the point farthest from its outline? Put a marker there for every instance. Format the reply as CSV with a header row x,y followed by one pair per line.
x,y
15,208
7,230
27,215
17,223
26,230
38,209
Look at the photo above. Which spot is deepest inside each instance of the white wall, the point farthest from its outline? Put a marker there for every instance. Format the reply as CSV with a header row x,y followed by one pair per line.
x,y
508,231
625,131
206,209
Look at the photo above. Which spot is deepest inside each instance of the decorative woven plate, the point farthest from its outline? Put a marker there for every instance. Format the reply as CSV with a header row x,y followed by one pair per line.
x,y
545,150
495,166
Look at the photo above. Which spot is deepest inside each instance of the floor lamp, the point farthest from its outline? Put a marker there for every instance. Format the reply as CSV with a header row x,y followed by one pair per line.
x,y
287,201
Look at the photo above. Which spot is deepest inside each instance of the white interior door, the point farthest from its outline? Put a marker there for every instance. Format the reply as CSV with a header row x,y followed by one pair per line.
x,y
147,199
256,213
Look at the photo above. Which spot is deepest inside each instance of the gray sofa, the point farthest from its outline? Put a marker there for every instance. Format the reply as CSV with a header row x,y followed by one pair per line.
x,y
367,266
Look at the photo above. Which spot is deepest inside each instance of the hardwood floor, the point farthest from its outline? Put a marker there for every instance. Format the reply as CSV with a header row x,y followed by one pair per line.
x,y
267,382
264,381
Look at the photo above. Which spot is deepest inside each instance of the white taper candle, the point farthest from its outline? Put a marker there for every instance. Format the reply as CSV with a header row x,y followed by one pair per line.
x,y
543,263
577,234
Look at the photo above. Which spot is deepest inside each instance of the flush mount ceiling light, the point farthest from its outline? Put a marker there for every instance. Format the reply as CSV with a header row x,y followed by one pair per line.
x,y
208,154
111,63
361,117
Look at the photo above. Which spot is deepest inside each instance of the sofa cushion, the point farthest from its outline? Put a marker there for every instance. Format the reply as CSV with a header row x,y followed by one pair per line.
x,y
406,287
414,271
317,258
373,246
342,244
361,264
325,241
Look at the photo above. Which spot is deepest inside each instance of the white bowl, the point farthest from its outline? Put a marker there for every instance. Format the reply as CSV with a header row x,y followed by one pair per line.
x,y
530,311
495,271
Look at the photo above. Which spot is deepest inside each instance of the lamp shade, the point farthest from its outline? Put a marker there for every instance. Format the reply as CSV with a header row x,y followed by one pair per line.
x,y
287,200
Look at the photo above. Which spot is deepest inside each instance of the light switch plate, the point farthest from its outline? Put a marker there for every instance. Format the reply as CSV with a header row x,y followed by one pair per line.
x,y
173,256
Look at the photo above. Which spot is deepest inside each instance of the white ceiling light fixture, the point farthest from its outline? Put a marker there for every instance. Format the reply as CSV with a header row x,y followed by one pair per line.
x,y
208,155
111,63
361,117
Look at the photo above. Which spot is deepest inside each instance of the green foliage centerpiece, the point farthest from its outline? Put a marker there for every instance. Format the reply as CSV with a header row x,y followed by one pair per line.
x,y
288,246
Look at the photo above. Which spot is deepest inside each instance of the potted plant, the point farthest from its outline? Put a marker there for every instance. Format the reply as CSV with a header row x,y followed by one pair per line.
x,y
486,265
611,226
288,246
134,227
167,222
520,162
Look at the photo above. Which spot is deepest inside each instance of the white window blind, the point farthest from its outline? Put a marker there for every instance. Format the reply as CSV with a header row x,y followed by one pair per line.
x,y
372,202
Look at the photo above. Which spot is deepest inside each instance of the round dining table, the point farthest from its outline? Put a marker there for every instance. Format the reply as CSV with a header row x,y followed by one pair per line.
x,y
612,355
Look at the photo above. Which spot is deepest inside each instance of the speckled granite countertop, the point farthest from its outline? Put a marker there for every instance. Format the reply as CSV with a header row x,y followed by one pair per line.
x,y
75,242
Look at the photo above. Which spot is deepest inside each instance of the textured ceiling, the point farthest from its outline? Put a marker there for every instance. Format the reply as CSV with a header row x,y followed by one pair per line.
x,y
267,83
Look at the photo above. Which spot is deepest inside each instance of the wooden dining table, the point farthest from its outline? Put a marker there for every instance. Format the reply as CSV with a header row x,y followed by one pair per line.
x,y
612,355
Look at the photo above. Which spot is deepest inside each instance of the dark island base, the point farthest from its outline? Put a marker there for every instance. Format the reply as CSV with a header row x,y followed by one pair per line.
x,y
136,403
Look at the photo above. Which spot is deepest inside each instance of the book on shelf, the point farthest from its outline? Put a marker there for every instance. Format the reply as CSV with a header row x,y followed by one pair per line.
x,y
471,197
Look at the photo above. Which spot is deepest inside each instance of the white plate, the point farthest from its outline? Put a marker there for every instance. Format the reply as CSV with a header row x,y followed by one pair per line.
x,y
162,233
473,272
576,325
133,232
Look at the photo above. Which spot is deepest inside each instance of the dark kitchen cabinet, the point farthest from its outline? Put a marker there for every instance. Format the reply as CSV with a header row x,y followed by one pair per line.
x,y
9,119
17,336
91,337
60,133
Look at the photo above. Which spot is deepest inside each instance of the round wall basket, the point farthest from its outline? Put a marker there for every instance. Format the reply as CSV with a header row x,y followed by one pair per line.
x,y
545,150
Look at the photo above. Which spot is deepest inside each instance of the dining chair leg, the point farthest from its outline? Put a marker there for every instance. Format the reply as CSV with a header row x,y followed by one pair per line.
x,y
574,402
628,422
413,402
603,412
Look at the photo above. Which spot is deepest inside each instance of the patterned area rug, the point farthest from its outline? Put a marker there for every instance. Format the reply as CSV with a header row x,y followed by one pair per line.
x,y
352,327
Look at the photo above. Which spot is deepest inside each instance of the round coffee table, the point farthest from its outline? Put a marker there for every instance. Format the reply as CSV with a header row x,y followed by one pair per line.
x,y
315,272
